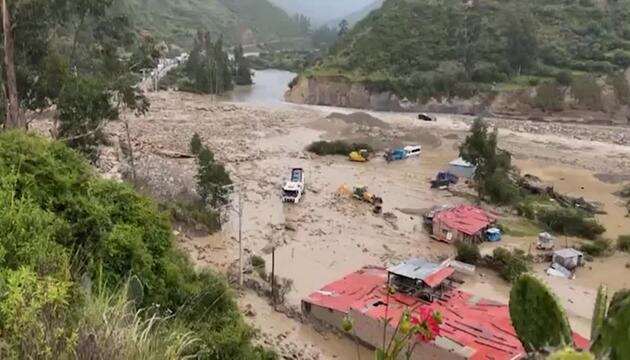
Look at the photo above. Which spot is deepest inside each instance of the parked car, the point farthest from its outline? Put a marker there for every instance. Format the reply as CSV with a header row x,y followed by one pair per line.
x,y
426,117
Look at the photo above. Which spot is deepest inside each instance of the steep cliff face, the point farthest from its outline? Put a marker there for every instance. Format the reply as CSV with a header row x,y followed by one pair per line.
x,y
338,91
589,99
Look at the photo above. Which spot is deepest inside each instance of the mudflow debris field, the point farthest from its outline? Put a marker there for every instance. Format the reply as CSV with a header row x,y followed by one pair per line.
x,y
326,236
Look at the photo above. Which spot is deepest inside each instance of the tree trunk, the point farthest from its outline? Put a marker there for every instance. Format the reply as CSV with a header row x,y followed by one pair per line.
x,y
13,118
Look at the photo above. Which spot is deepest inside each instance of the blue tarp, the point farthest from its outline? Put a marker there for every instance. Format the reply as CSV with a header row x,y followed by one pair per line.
x,y
493,234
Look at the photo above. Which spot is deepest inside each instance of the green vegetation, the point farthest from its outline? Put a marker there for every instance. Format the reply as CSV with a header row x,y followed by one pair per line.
x,y
599,311
289,60
81,58
509,265
571,222
70,241
242,72
258,263
519,227
467,252
337,147
539,320
623,243
549,96
207,71
597,248
213,181
491,176
541,324
177,21
463,48
571,354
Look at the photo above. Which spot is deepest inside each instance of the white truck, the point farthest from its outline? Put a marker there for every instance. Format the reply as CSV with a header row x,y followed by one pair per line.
x,y
293,189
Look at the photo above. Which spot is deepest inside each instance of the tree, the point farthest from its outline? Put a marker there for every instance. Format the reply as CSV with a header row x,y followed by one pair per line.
x,y
242,72
208,68
53,65
519,31
539,320
344,27
84,107
195,144
492,164
13,116
468,37
212,178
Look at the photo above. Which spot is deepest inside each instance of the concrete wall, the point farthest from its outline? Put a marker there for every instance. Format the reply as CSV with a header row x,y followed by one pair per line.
x,y
327,316
370,331
462,171
439,229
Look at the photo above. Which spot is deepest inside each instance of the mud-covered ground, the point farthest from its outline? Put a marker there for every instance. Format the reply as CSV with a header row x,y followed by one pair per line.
x,y
326,236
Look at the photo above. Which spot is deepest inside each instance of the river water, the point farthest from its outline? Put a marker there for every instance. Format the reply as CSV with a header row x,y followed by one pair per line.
x,y
268,89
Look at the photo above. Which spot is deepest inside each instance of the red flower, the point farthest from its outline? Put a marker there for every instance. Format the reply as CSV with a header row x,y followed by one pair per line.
x,y
426,323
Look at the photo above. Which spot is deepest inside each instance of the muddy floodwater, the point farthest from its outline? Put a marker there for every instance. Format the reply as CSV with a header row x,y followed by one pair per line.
x,y
326,236
268,89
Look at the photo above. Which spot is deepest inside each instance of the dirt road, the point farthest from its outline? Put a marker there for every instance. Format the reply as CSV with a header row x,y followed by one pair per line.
x,y
325,237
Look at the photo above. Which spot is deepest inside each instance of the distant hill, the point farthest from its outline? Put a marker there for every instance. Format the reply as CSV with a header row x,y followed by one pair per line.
x,y
358,15
426,48
322,11
244,21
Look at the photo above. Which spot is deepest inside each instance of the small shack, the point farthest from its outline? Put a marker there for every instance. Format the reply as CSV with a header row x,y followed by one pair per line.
x,y
568,258
462,223
461,168
421,279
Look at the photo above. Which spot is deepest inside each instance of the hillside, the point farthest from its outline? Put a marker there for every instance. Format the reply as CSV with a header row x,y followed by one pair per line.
x,y
244,21
323,11
422,49
357,15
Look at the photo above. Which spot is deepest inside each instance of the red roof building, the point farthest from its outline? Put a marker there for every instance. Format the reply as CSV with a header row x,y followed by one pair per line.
x,y
473,328
462,223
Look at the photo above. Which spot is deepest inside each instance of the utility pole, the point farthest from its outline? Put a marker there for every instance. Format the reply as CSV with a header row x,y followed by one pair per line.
x,y
240,239
239,212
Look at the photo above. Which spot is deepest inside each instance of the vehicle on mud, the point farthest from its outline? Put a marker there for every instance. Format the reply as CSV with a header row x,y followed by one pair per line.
x,y
362,155
293,189
403,153
426,117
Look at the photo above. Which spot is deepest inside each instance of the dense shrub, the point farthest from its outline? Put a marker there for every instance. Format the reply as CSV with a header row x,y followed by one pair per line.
x,y
500,189
564,77
336,147
596,248
549,97
60,226
587,91
622,89
467,252
509,265
623,243
572,222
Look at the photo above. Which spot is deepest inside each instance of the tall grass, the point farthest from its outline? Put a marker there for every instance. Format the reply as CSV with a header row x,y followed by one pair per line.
x,y
110,327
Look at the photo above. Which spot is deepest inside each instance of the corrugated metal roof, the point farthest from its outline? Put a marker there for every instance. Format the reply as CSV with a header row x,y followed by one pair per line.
x,y
479,327
465,218
429,272
461,162
567,253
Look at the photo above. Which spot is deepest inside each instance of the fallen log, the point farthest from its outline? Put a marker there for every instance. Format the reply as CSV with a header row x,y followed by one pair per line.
x,y
172,154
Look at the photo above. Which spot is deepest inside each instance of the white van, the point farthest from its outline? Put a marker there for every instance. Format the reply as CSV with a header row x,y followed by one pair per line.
x,y
413,150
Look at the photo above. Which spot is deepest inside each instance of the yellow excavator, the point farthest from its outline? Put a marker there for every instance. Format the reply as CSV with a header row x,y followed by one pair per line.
x,y
360,155
360,192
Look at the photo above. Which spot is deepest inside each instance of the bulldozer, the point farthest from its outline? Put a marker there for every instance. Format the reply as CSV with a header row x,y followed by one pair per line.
x,y
360,155
360,192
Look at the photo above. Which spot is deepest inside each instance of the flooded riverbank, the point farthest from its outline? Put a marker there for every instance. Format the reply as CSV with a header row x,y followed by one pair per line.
x,y
325,236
